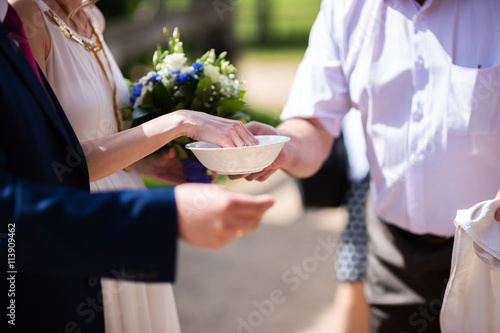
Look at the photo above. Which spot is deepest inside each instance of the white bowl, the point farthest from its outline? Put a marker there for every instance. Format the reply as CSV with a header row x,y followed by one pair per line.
x,y
239,160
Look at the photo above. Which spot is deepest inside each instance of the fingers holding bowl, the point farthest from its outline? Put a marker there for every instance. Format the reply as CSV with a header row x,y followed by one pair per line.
x,y
239,162
264,174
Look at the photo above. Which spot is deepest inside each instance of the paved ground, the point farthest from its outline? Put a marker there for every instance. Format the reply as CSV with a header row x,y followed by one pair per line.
x,y
275,279
278,279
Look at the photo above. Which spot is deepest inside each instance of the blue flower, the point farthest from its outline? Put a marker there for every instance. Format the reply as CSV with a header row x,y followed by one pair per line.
x,y
132,99
137,89
155,78
196,66
184,76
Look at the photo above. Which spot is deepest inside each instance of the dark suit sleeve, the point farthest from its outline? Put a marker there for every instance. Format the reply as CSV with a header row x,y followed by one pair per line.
x,y
62,236
60,228
63,231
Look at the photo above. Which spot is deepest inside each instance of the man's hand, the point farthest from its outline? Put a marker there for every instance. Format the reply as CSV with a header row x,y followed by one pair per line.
x,y
210,216
302,156
163,166
262,129
497,214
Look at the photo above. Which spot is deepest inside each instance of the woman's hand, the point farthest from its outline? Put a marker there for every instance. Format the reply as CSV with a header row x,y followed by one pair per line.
x,y
114,152
223,132
163,165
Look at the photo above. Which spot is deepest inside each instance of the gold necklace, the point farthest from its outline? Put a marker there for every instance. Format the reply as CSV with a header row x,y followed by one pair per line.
x,y
88,44
93,46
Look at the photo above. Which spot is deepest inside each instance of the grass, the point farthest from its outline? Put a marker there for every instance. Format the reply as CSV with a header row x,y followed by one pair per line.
x,y
289,21
289,24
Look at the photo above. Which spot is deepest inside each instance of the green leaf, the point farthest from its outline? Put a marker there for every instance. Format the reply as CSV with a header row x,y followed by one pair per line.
x,y
181,151
147,100
126,113
141,120
161,98
220,111
197,105
178,106
141,112
188,90
241,116
204,91
183,140
229,107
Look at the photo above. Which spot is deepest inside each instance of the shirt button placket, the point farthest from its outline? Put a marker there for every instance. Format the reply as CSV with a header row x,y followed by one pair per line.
x,y
415,125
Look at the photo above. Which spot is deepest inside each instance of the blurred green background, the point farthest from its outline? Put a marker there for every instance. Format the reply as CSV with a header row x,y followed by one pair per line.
x,y
257,23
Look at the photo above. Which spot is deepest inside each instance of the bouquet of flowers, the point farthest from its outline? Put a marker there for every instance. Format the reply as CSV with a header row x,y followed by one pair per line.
x,y
208,85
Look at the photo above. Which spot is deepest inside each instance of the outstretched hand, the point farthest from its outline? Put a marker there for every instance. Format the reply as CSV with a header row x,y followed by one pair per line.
x,y
210,216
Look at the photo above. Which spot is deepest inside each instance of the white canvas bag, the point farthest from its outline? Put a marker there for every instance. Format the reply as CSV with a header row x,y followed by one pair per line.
x,y
472,298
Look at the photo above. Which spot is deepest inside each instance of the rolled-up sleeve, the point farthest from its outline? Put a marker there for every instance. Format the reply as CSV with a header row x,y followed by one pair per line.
x,y
320,88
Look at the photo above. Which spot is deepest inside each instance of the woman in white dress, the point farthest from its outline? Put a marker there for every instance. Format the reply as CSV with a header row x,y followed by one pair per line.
x,y
66,39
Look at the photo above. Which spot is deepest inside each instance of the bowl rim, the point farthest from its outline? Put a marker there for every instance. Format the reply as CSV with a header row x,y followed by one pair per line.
x,y
284,140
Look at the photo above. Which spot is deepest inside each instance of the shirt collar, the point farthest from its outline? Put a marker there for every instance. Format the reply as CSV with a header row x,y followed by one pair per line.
x,y
424,6
4,5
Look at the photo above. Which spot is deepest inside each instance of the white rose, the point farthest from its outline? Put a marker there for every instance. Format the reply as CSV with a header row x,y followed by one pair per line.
x,y
164,73
174,62
187,69
212,72
145,79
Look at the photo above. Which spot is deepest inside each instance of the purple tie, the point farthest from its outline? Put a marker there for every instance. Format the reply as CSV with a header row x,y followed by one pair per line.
x,y
13,24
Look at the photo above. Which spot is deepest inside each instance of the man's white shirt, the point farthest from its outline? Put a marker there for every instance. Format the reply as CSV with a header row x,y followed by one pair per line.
x,y
427,81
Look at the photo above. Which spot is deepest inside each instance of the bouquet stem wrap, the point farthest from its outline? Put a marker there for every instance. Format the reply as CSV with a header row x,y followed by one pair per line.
x,y
195,171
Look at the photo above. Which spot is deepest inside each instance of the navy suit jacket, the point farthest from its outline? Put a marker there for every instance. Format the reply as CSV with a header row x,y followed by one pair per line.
x,y
57,239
